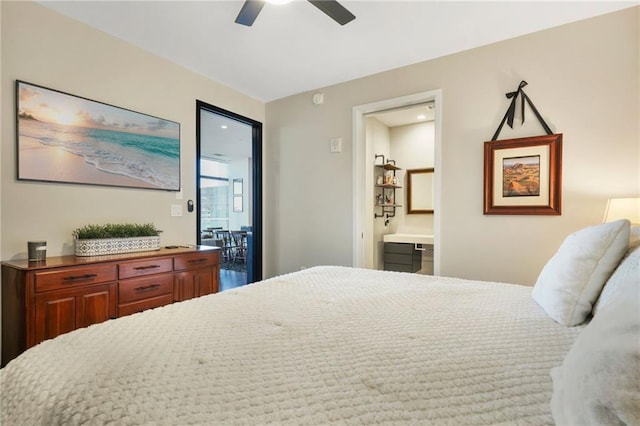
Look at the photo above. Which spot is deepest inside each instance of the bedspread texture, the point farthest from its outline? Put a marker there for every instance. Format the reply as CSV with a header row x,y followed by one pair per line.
x,y
323,345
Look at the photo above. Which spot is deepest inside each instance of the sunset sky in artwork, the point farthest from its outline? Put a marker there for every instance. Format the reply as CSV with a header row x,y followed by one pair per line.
x,y
529,160
55,107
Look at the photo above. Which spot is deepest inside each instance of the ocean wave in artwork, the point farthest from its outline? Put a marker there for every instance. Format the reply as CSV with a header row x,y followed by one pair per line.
x,y
151,159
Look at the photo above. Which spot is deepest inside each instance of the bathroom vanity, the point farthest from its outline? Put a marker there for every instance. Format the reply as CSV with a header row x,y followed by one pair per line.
x,y
408,253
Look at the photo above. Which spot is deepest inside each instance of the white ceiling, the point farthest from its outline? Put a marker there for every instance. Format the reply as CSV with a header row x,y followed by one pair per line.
x,y
224,139
296,48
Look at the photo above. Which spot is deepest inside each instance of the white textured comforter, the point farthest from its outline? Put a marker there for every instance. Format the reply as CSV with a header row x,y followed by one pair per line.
x,y
324,345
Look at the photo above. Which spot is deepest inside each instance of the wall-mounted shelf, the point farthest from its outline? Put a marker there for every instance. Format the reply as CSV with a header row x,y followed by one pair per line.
x,y
387,166
386,191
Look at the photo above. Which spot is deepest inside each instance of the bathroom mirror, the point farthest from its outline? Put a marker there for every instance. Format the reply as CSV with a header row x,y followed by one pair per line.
x,y
420,191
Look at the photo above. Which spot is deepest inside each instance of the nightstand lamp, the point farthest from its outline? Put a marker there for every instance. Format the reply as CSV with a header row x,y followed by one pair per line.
x,y
623,208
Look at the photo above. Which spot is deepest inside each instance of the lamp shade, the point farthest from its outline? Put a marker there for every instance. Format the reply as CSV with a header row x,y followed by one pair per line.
x,y
623,208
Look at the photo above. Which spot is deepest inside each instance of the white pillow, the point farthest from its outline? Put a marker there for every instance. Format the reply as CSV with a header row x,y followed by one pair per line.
x,y
572,279
626,274
599,380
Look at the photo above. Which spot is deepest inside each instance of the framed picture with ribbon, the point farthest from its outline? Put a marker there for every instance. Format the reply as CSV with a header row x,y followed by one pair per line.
x,y
523,176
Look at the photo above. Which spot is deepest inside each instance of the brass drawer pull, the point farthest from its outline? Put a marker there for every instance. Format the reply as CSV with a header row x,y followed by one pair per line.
x,y
202,259
147,288
80,277
142,268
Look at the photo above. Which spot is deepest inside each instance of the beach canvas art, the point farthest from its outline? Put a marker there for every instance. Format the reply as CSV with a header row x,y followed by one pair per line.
x,y
67,138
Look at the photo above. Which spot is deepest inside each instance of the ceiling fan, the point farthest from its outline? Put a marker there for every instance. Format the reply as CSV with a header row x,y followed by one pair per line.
x,y
337,12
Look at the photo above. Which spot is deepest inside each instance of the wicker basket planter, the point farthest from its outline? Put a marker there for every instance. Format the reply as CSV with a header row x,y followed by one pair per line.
x,y
103,246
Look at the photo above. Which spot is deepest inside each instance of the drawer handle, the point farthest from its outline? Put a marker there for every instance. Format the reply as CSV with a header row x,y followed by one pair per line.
x,y
80,277
147,287
142,268
200,260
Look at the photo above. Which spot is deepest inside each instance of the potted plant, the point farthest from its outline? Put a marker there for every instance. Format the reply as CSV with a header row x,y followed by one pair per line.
x,y
94,240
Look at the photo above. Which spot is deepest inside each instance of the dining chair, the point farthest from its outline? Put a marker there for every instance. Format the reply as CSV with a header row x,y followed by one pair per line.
x,y
240,246
227,244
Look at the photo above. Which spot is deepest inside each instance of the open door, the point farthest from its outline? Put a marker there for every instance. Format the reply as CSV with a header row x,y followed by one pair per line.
x,y
229,191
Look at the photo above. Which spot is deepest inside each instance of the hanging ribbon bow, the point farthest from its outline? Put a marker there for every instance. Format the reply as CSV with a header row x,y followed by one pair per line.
x,y
509,117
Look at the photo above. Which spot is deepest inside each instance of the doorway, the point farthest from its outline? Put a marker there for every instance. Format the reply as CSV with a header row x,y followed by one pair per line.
x,y
363,165
229,191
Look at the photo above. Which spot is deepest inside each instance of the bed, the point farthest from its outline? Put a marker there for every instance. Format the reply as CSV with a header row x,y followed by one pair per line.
x,y
326,345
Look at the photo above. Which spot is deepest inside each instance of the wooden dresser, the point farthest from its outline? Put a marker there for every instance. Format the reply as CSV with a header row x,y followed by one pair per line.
x,y
41,300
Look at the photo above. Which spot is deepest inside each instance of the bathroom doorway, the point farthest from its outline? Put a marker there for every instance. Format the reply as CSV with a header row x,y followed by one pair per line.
x,y
364,151
405,138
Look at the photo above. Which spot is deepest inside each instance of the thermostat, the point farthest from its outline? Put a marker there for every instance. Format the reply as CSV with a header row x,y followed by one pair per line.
x,y
318,98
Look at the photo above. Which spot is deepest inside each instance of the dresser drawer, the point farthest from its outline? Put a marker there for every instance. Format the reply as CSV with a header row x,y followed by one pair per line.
x,y
145,267
398,267
403,259
155,302
194,260
399,248
69,277
144,288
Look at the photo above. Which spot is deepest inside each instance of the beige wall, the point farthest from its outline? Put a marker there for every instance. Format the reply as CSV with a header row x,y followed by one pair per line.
x,y
42,47
583,77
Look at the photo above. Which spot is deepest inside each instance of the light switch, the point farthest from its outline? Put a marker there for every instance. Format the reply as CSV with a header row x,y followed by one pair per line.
x,y
336,145
176,210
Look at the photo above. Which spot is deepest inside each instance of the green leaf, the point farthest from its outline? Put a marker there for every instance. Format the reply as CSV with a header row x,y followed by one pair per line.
x,y
113,230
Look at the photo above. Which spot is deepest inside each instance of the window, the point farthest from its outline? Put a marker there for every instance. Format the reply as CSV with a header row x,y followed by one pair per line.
x,y
214,194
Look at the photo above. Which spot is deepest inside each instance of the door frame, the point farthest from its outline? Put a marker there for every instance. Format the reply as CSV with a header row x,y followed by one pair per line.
x,y
256,160
363,208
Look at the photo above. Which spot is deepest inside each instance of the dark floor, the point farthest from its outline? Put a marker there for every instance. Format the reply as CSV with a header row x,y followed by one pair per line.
x,y
231,279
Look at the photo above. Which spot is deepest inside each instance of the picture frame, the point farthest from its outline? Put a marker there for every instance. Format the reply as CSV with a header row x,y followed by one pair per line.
x,y
237,186
523,176
420,191
64,138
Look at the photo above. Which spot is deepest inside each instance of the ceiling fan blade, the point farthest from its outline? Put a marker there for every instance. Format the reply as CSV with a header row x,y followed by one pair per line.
x,y
249,12
335,10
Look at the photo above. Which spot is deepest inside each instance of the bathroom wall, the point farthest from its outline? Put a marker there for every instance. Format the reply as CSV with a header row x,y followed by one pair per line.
x,y
412,146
